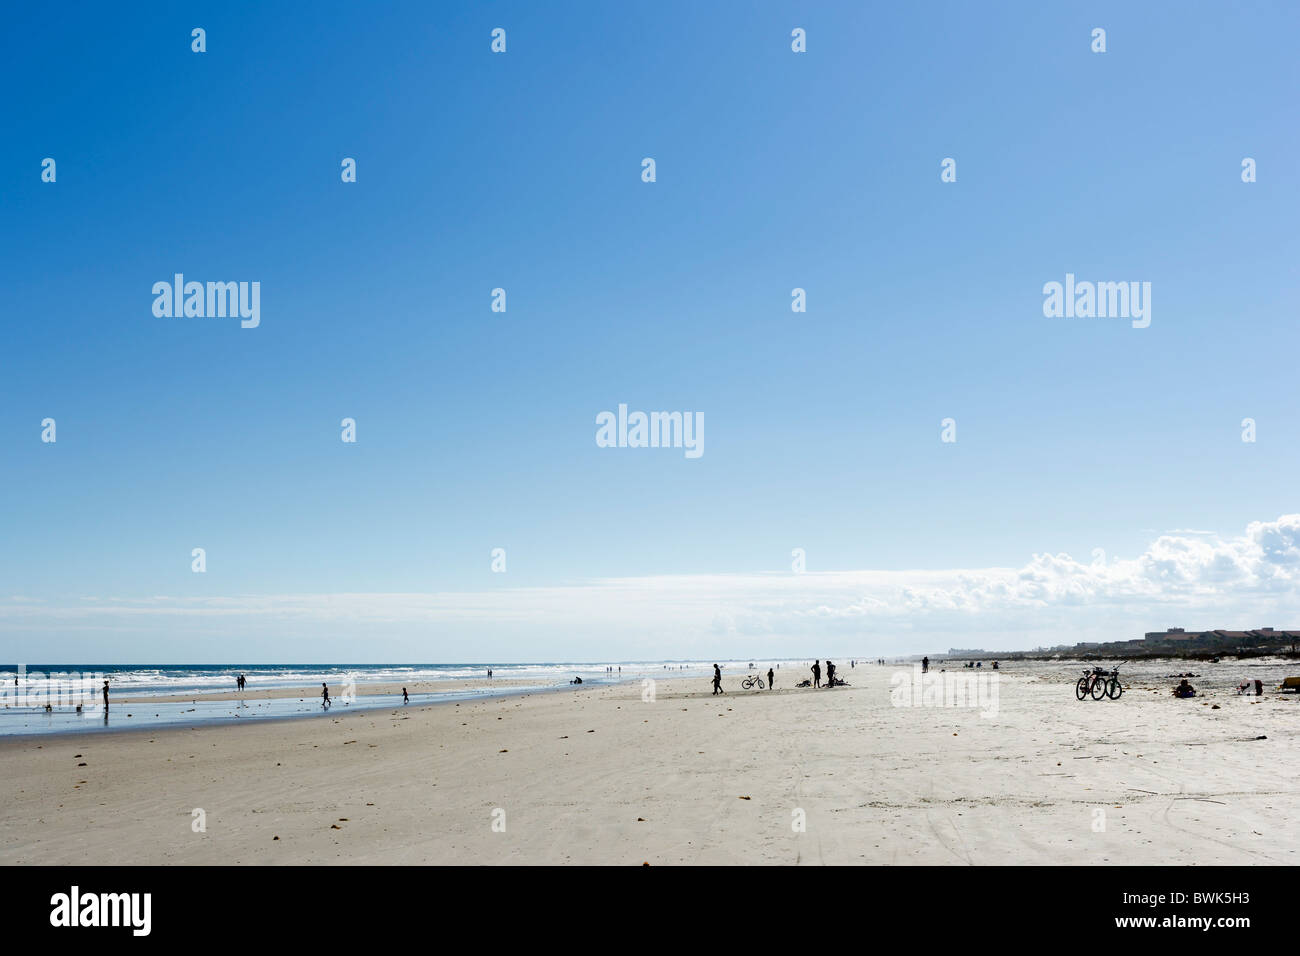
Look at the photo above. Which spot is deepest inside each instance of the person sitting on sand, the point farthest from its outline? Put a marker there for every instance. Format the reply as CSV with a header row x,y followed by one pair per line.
x,y
717,680
1184,689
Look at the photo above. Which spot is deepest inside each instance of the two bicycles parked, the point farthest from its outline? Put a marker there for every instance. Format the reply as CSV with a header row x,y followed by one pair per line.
x,y
1097,684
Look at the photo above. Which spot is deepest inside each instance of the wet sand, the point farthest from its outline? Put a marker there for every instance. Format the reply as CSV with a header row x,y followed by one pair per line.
x,y
336,690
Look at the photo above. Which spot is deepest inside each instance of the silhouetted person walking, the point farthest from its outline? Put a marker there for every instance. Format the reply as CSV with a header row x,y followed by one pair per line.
x,y
771,680
405,699
717,680
324,694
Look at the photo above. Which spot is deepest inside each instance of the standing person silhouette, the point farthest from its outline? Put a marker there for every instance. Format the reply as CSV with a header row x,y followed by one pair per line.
x,y
771,679
717,680
106,698
817,673
925,665
324,694
830,674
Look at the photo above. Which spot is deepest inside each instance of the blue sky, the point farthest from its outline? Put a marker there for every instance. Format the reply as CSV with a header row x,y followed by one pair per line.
x,y
522,170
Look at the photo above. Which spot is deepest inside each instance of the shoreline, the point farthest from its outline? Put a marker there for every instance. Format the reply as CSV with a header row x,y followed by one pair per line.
x,y
343,710
376,688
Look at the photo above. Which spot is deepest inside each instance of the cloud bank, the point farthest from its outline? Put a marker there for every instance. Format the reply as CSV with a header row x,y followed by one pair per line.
x,y
1196,578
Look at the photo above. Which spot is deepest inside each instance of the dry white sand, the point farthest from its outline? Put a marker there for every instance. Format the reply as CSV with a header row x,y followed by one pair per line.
x,y
597,775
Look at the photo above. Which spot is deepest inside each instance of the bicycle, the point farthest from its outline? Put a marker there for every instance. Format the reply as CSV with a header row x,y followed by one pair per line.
x,y
1091,683
749,682
1097,683
1113,687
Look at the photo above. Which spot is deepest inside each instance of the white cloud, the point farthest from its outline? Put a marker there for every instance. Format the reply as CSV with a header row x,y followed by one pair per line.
x,y
1200,580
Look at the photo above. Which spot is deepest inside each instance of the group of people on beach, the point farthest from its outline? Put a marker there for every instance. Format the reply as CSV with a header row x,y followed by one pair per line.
x,y
816,681
831,679
969,665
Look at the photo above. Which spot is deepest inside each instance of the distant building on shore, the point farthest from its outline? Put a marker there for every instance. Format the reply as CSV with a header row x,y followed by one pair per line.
x,y
1174,641
1221,638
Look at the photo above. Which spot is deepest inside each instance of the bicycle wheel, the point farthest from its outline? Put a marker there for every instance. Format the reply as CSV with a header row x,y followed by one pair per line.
x,y
1098,689
760,684
1081,688
1114,688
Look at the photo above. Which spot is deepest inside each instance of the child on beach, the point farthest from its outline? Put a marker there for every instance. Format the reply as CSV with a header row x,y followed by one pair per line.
x,y
717,680
405,699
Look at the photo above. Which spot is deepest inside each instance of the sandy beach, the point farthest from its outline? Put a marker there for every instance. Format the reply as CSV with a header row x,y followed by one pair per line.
x,y
600,775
